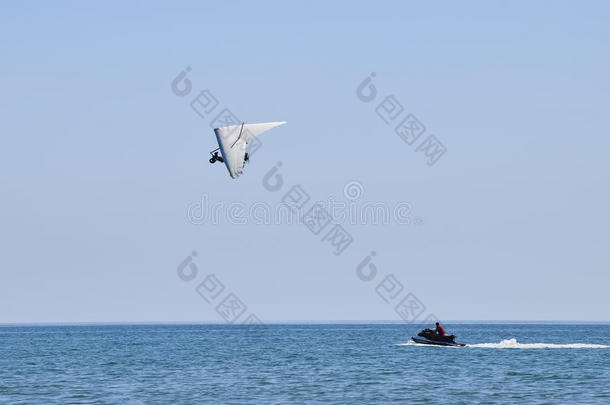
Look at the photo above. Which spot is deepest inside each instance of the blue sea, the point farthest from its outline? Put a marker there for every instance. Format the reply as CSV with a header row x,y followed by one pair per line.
x,y
302,364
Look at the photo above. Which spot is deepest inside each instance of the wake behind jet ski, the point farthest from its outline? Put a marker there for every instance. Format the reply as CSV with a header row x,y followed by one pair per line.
x,y
436,337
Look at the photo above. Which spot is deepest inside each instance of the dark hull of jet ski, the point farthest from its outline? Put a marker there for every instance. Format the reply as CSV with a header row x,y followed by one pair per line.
x,y
428,337
435,342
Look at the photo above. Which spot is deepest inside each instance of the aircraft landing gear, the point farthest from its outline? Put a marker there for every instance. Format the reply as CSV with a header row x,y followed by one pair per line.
x,y
216,157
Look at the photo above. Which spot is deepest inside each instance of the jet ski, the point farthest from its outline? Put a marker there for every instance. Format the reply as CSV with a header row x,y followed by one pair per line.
x,y
429,337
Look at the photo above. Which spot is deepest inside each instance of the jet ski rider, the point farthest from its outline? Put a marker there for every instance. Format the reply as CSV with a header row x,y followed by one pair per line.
x,y
440,331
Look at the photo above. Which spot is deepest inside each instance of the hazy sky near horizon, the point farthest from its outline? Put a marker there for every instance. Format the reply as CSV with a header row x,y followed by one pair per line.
x,y
101,161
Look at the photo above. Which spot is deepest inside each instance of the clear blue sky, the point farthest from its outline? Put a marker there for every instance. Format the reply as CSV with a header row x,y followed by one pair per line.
x,y
99,158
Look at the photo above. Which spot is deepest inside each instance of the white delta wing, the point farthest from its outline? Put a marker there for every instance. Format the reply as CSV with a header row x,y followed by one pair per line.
x,y
232,141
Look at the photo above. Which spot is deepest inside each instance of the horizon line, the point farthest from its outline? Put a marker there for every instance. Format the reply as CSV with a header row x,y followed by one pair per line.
x,y
305,322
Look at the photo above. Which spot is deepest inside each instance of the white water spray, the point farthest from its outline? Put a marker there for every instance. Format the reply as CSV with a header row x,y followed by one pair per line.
x,y
513,344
